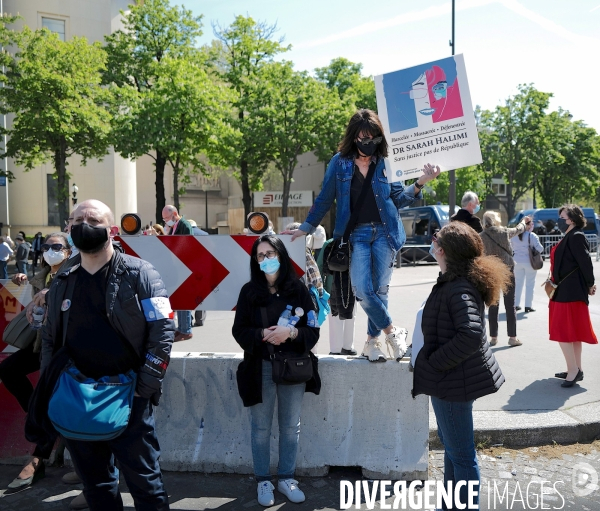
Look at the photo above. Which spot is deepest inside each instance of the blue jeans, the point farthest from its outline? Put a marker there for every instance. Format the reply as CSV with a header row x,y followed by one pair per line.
x,y
3,269
455,429
371,267
137,451
184,322
22,267
289,405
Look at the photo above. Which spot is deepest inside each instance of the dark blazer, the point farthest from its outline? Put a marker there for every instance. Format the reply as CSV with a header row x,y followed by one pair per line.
x,y
462,215
573,253
456,362
183,227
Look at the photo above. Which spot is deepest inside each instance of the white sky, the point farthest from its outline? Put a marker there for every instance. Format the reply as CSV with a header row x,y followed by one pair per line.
x,y
554,44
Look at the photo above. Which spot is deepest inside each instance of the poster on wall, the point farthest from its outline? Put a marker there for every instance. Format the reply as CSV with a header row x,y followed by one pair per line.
x,y
427,116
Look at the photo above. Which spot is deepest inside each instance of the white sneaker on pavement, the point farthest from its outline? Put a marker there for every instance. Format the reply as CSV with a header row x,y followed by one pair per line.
x,y
289,487
372,351
396,343
265,493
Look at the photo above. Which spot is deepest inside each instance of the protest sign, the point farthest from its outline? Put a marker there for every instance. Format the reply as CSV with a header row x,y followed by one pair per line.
x,y
427,116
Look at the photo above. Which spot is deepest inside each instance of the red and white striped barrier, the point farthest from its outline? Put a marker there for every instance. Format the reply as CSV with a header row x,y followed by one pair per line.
x,y
204,272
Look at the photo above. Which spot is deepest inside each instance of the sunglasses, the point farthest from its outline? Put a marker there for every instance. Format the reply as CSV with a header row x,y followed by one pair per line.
x,y
55,246
434,235
368,141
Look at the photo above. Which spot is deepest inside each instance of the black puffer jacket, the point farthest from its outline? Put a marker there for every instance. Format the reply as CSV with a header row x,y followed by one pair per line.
x,y
456,362
132,282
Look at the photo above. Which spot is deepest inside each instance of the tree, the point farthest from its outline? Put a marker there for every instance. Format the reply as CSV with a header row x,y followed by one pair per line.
x,y
53,89
247,47
153,31
296,110
510,141
346,77
468,178
570,171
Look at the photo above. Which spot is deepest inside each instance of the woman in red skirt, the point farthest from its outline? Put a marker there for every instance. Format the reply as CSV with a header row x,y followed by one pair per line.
x,y
571,266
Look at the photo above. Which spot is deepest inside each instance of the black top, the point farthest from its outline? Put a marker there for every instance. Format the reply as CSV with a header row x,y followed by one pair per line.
x,y
95,347
462,215
573,253
369,211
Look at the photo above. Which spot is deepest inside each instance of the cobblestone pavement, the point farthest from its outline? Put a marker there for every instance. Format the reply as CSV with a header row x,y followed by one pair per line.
x,y
511,480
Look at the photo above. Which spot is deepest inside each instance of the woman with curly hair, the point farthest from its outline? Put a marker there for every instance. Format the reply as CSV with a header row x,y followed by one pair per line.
x,y
456,365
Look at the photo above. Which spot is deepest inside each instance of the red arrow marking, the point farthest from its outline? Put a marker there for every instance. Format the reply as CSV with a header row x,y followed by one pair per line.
x,y
207,271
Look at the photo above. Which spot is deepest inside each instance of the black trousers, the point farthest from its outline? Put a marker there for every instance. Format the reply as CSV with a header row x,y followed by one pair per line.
x,y
137,451
511,313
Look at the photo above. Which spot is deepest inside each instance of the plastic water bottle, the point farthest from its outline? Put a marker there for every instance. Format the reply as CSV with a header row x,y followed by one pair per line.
x,y
285,316
38,313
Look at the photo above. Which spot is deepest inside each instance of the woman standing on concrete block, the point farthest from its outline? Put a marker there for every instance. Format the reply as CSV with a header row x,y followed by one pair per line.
x,y
369,222
274,313
456,365
571,266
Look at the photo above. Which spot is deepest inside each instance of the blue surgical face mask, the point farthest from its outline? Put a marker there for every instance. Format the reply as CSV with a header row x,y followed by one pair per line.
x,y
270,266
432,250
477,208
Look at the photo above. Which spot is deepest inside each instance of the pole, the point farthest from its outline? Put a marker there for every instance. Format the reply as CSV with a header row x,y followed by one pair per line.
x,y
452,173
206,207
4,140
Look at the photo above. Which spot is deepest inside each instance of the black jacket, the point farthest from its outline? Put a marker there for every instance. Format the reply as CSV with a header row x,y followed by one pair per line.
x,y
462,215
573,253
247,328
456,362
132,282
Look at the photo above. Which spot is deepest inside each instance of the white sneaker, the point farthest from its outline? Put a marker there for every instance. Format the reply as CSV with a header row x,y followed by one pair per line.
x,y
372,350
289,487
265,493
396,343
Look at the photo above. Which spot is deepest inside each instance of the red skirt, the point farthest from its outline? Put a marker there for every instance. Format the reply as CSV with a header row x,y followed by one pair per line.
x,y
570,322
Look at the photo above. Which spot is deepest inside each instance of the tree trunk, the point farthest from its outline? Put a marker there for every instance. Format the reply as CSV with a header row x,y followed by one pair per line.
x,y
176,187
62,184
287,183
159,165
246,197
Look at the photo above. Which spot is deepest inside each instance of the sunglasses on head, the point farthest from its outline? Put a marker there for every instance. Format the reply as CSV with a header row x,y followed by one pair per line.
x,y
434,235
55,246
368,141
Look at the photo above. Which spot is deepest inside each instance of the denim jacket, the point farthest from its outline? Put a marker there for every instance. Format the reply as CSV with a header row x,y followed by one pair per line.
x,y
389,198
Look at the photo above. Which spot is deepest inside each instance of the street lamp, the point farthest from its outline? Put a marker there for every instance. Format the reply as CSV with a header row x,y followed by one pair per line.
x,y
205,190
75,190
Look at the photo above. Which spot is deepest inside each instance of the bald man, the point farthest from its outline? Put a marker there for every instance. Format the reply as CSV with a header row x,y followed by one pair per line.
x,y
112,313
177,226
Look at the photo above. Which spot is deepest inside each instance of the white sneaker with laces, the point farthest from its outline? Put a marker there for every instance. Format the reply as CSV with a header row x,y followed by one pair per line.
x,y
372,350
265,493
396,343
289,487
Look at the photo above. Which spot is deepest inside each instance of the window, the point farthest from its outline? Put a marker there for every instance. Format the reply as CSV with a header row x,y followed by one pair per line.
x,y
498,187
54,25
52,192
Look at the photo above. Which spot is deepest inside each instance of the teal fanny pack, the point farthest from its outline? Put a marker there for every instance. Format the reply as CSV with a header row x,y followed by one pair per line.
x,y
82,408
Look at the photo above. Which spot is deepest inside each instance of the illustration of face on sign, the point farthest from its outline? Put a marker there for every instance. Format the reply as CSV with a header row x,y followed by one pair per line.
x,y
429,94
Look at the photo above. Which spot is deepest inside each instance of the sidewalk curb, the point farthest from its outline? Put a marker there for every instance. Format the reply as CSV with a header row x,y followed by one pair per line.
x,y
528,428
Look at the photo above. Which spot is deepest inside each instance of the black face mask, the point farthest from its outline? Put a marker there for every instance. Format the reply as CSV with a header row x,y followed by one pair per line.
x,y
562,225
366,149
89,239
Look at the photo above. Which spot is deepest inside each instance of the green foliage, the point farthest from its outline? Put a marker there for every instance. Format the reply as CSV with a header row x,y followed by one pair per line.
x,y
53,89
156,75
510,138
246,47
296,111
467,179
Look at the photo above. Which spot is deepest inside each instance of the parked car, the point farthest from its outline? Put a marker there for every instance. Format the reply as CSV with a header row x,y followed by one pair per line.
x,y
419,224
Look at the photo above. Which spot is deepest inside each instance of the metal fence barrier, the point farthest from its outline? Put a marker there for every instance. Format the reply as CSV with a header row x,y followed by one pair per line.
x,y
550,240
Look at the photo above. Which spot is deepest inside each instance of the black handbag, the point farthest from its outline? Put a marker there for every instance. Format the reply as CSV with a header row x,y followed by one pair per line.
x,y
339,256
289,368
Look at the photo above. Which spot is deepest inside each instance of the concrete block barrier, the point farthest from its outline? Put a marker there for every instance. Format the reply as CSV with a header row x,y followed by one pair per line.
x,y
364,417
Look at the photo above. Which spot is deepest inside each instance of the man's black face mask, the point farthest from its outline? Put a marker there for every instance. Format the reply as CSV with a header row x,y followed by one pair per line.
x,y
89,239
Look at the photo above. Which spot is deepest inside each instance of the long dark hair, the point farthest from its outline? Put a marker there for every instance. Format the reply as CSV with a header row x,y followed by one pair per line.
x,y
287,281
464,258
368,122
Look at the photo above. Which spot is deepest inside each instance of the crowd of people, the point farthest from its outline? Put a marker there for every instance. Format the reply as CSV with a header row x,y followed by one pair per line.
x,y
108,320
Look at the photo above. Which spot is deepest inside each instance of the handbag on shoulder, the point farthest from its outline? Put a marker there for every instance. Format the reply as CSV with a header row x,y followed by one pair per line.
x,y
550,287
18,332
339,255
535,257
